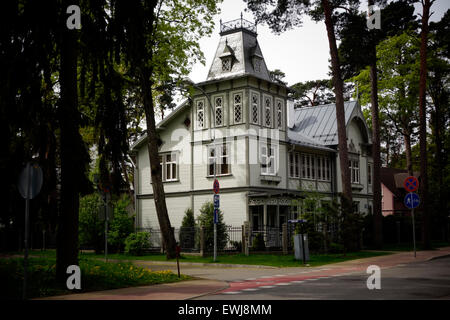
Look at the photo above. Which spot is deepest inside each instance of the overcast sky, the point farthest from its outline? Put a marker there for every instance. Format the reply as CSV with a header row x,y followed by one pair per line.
x,y
301,53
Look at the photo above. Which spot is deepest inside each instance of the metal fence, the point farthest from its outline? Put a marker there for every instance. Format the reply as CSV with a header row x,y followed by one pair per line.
x,y
189,238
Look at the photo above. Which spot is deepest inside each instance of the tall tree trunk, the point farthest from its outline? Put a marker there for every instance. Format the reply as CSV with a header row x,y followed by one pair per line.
x,y
340,111
408,151
426,4
155,167
67,234
376,156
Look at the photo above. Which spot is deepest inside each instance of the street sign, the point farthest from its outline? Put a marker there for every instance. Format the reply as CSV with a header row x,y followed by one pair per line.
x,y
216,186
411,184
30,181
216,201
216,215
412,200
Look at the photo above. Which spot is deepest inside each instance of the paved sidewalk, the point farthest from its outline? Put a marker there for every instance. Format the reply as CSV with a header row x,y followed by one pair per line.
x,y
168,291
216,279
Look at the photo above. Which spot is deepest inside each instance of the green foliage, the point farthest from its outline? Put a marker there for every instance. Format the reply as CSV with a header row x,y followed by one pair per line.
x,y
188,230
206,220
188,219
91,227
237,245
137,243
258,243
121,225
350,227
95,275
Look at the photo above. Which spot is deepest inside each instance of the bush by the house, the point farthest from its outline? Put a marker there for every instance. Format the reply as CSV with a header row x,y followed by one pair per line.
x,y
120,226
137,243
91,226
258,243
188,230
206,220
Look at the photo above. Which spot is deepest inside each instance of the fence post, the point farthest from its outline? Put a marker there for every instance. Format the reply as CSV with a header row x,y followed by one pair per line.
x,y
285,238
202,241
244,243
246,237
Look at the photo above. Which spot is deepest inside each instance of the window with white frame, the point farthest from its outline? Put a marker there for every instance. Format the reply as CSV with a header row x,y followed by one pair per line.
x,y
219,155
328,169
369,174
323,168
308,166
294,165
237,98
200,114
279,114
169,166
268,111
219,111
354,170
268,159
255,108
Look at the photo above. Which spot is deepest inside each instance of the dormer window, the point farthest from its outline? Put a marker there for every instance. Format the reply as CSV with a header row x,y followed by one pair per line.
x,y
226,64
227,57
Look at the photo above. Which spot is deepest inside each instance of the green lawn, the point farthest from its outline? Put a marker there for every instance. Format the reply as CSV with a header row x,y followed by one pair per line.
x,y
274,260
95,275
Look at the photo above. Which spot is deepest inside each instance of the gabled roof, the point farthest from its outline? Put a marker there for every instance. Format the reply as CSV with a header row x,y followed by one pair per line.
x,y
160,125
319,122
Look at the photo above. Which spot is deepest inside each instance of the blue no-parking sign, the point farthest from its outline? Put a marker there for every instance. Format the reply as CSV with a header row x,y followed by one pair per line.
x,y
412,200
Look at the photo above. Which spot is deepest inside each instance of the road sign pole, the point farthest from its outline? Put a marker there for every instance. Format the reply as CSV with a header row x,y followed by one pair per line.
x,y
414,232
27,222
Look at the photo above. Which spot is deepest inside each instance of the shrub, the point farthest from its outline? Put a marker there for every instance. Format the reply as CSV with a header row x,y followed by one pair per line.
x,y
206,220
258,243
91,228
121,225
237,245
137,243
187,230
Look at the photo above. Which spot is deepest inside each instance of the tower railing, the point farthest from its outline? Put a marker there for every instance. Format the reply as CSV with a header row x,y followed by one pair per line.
x,y
237,24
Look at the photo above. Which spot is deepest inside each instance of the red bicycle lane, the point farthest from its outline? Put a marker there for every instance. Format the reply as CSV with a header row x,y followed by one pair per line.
x,y
278,280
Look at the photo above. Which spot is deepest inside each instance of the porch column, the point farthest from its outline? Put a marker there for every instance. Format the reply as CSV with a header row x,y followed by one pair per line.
x,y
277,221
265,215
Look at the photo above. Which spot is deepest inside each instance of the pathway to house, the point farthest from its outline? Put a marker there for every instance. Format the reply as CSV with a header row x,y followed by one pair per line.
x,y
232,279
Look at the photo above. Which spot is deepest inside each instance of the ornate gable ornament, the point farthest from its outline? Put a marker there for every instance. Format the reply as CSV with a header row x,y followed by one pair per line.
x,y
351,147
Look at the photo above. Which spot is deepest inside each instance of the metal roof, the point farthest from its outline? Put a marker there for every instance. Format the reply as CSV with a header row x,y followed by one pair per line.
x,y
319,122
242,44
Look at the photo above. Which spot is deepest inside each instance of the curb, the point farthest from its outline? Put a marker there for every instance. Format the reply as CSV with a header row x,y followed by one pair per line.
x,y
439,257
226,286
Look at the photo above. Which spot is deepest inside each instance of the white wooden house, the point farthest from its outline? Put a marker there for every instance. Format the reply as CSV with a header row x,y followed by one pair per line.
x,y
266,152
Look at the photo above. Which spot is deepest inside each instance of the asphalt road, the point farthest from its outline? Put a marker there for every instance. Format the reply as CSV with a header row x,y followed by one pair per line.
x,y
420,280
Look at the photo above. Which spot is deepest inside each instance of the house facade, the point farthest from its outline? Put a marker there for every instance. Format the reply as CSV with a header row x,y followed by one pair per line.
x,y
241,127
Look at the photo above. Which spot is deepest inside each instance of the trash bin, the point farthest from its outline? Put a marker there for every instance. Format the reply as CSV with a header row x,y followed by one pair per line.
x,y
301,248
